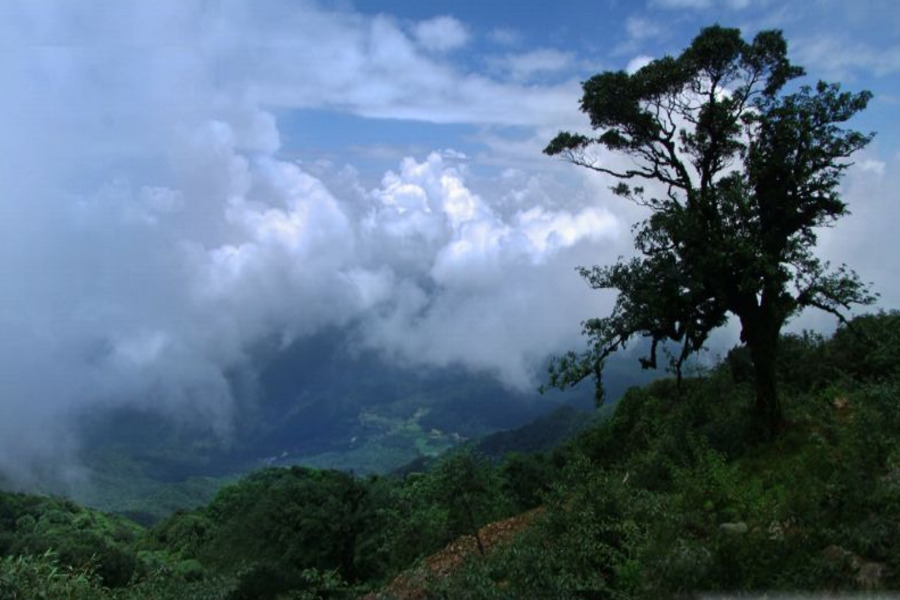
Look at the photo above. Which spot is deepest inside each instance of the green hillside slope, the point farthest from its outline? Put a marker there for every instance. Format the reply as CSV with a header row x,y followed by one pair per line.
x,y
669,497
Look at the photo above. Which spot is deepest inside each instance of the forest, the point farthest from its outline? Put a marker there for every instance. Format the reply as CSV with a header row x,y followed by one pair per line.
x,y
668,495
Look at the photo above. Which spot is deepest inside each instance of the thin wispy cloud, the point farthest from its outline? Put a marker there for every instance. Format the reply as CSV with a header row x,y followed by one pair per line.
x,y
441,34
527,65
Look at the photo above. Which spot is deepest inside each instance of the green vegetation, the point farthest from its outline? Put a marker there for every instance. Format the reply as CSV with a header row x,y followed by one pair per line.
x,y
146,466
741,174
671,494
393,443
120,483
38,533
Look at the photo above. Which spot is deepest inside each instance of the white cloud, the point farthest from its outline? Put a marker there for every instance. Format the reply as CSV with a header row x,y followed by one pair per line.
x,y
155,234
637,63
524,66
549,231
441,34
683,4
491,272
641,29
705,4
452,154
304,57
872,165
868,192
504,36
838,57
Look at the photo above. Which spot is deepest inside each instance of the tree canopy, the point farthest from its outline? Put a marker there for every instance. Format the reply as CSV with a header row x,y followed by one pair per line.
x,y
737,175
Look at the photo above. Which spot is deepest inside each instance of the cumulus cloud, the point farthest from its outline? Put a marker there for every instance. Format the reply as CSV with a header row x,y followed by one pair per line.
x,y
152,233
637,63
490,271
123,305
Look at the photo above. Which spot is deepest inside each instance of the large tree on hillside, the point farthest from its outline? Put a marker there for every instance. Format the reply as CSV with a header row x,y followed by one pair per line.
x,y
737,175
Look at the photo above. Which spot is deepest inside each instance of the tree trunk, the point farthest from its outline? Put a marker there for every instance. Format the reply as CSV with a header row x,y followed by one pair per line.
x,y
473,525
761,337
768,407
348,553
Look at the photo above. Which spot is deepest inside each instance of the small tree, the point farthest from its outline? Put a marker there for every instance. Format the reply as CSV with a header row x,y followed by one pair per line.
x,y
742,174
471,490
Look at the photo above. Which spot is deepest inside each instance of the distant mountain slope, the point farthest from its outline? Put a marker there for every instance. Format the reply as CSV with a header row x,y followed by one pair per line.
x,y
542,434
320,403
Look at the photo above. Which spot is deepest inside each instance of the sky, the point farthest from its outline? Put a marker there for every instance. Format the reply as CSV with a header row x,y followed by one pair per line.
x,y
182,181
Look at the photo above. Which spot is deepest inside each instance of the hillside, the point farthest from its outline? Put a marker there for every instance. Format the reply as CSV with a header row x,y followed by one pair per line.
x,y
670,496
673,496
317,403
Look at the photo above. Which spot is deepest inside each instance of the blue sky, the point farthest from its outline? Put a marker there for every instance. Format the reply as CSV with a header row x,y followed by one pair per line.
x,y
184,179
853,43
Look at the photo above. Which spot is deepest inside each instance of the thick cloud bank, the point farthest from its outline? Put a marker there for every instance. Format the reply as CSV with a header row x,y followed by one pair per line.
x,y
150,292
152,234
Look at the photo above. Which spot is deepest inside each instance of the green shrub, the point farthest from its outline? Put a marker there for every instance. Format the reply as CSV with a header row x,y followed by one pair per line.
x,y
41,577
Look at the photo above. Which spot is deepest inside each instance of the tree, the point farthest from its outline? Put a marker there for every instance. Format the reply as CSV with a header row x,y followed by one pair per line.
x,y
471,491
740,174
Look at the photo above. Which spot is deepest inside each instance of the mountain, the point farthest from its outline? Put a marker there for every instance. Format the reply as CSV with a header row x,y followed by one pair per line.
x,y
543,434
317,403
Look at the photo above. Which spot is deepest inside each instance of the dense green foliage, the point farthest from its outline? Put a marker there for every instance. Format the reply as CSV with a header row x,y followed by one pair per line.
x,y
277,533
77,537
742,171
671,494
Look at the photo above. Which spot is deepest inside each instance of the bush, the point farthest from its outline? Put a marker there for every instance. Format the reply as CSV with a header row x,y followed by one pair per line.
x,y
43,578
